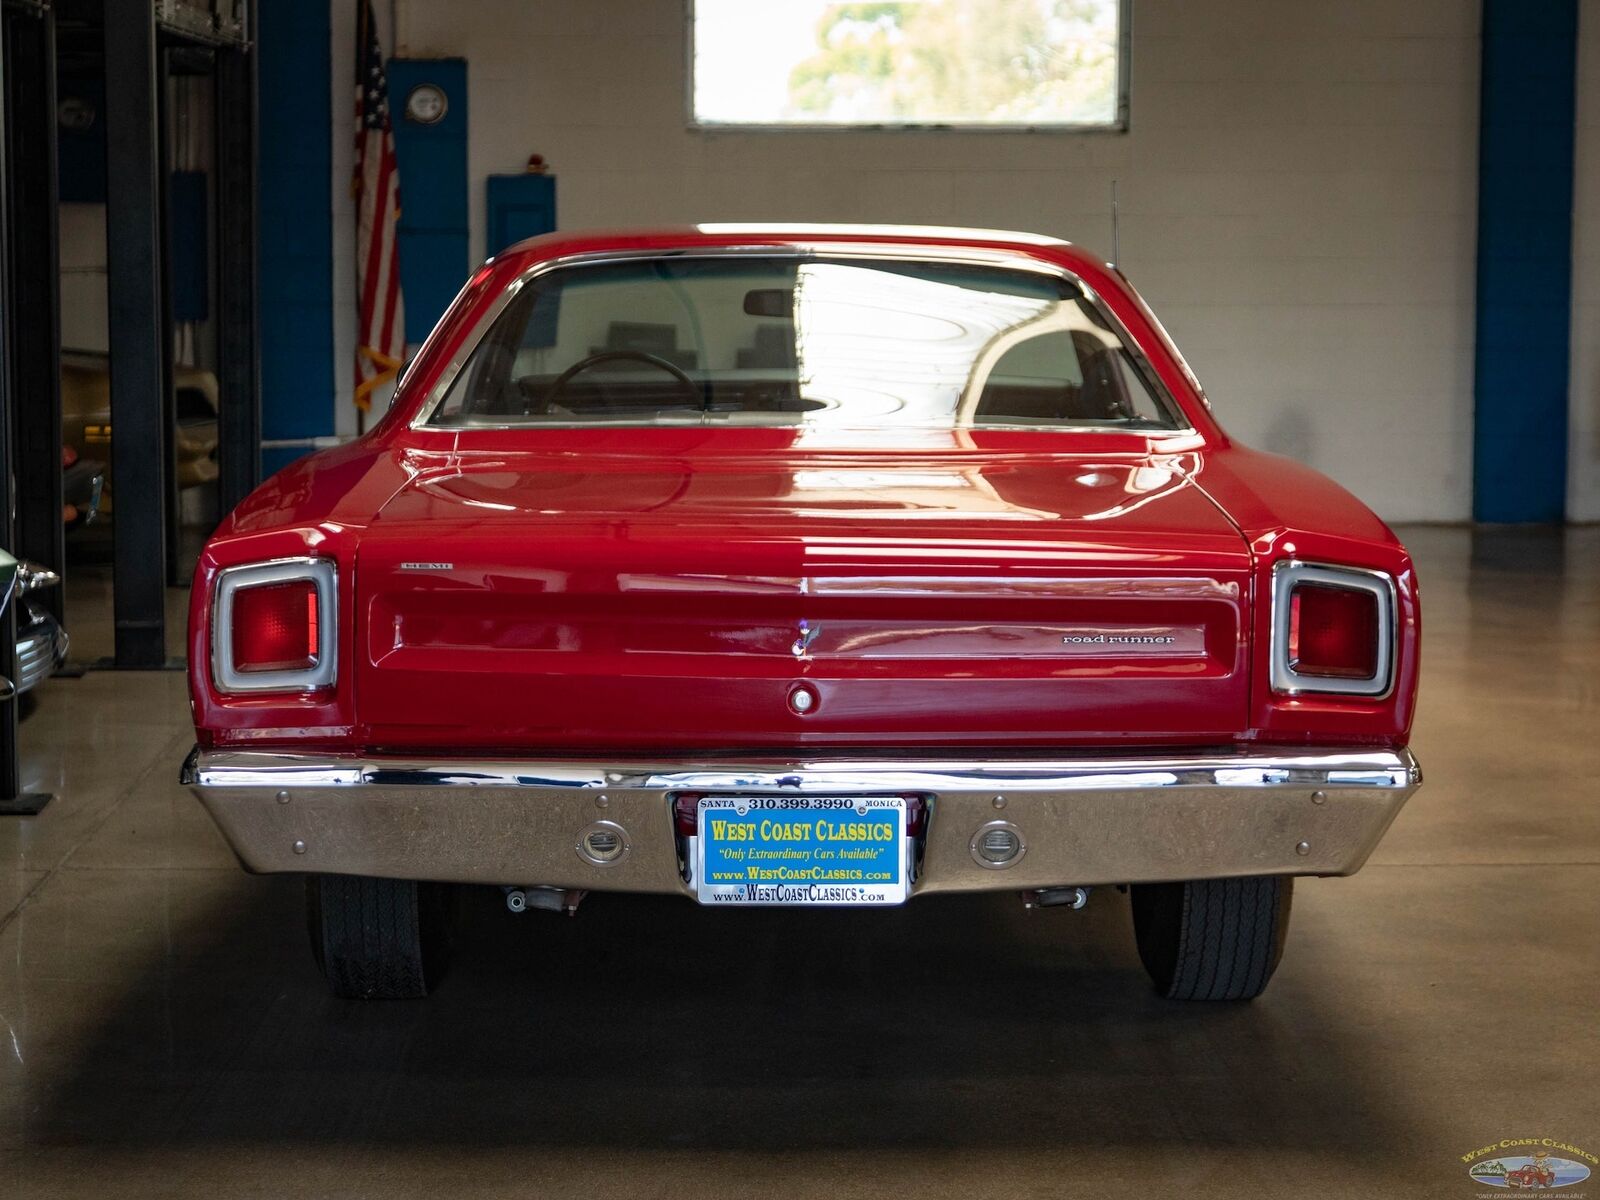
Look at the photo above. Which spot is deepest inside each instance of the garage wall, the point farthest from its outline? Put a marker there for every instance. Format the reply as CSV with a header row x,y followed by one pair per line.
x,y
1583,474
83,278
1298,194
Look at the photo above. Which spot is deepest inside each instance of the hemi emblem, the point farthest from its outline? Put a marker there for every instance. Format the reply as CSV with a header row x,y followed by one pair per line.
x,y
426,566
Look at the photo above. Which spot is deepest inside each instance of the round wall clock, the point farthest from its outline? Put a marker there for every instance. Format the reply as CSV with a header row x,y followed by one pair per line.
x,y
426,104
76,114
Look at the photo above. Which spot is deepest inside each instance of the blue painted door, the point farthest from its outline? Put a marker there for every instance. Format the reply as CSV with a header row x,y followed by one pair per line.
x,y
434,257
520,207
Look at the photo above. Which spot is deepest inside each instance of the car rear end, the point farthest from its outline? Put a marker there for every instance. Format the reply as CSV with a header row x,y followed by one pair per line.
x,y
848,667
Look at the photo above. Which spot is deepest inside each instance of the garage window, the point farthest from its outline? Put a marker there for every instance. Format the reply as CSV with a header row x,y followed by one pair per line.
x,y
976,64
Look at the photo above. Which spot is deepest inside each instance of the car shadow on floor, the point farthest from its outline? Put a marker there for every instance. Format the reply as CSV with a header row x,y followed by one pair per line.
x,y
649,1023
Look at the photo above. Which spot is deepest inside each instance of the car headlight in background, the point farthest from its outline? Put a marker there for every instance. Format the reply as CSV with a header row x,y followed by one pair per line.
x,y
31,577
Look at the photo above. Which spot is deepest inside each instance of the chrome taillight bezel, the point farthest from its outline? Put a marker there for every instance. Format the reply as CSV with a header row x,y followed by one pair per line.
x,y
323,574
1286,576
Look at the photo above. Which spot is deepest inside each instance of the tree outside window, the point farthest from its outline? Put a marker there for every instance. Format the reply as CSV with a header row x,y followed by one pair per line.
x,y
997,63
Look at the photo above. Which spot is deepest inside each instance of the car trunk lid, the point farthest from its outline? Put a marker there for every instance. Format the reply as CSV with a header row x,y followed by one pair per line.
x,y
615,602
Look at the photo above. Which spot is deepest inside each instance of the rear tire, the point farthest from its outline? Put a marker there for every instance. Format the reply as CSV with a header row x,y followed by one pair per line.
x,y
379,939
1212,939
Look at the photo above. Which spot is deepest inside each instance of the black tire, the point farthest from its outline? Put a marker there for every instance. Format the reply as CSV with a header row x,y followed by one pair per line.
x,y
379,939
1212,939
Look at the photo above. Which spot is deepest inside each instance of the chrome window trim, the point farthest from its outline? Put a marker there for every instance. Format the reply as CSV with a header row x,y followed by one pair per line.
x,y
821,248
324,576
1289,682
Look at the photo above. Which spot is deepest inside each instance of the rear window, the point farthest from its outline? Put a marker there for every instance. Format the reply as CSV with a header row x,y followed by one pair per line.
x,y
802,341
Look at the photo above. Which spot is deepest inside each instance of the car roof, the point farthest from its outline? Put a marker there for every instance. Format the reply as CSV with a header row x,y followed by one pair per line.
x,y
751,234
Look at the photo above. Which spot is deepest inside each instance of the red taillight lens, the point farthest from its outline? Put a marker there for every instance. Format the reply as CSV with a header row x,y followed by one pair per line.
x,y
1333,632
275,627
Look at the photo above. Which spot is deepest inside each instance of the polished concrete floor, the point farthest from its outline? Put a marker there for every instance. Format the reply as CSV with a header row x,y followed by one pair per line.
x,y
162,1031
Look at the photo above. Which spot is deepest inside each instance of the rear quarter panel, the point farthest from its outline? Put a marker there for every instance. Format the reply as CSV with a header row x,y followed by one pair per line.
x,y
1286,510
315,507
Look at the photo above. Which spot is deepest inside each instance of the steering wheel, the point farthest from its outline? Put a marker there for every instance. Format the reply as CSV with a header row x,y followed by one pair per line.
x,y
583,364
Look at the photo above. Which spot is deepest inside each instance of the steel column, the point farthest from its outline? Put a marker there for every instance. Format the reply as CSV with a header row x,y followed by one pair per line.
x,y
35,273
20,32
138,340
168,414
238,366
10,776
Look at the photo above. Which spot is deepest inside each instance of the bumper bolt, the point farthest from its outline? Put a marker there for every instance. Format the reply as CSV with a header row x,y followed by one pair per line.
x,y
1303,849
283,797
602,800
999,801
1319,797
299,847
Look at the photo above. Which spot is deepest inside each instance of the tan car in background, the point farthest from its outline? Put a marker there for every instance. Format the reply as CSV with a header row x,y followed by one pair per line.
x,y
86,417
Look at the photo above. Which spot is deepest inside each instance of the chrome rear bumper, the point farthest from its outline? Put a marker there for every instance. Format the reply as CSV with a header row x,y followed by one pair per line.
x,y
41,647
1105,820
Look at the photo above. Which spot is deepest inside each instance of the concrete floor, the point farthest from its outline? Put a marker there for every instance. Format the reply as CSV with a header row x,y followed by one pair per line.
x,y
162,1031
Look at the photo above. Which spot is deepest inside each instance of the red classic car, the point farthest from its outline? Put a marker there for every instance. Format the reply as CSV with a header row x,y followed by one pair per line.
x,y
1531,1175
804,566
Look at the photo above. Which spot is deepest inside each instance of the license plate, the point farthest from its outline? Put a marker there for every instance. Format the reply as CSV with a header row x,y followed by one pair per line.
x,y
801,850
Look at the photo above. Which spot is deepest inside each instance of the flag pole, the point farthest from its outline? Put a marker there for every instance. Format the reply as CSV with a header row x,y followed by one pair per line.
x,y
375,185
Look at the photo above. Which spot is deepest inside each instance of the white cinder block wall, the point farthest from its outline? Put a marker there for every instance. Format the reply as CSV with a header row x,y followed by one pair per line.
x,y
1298,194
1583,474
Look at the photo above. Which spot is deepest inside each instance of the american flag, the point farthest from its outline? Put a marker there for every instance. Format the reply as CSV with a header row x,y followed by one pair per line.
x,y
381,328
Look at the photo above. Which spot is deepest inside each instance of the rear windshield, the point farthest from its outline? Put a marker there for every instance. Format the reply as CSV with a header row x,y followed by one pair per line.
x,y
790,341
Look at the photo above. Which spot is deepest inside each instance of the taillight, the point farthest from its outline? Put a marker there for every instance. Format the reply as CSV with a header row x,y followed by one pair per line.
x,y
273,626
1333,630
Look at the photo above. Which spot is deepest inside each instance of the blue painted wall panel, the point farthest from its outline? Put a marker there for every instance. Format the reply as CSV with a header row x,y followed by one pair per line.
x,y
1524,260
434,254
296,223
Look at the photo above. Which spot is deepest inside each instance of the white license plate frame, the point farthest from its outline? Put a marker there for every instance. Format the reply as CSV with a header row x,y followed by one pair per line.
x,y
802,851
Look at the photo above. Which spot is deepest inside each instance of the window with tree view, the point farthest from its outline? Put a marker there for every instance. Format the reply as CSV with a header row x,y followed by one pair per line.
x,y
979,63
